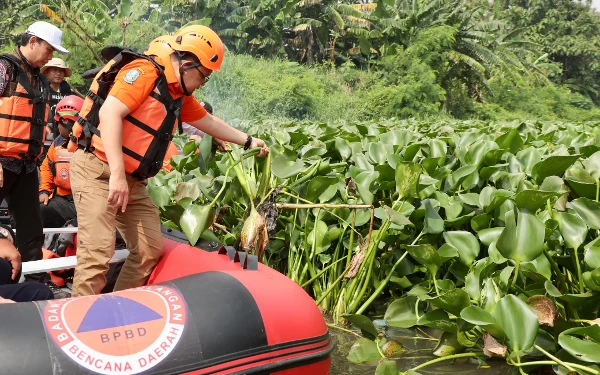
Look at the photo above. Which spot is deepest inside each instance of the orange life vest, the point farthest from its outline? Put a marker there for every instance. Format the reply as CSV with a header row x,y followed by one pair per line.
x,y
60,167
55,276
171,151
147,131
23,117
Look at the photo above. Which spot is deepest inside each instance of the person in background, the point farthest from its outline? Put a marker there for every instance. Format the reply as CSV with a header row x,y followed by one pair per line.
x,y
56,199
192,132
24,109
56,70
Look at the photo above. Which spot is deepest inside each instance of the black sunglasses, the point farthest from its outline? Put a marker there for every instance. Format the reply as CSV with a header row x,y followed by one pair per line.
x,y
206,78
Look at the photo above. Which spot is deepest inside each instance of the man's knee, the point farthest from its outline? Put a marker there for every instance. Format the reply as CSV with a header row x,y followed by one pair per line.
x,y
41,292
31,291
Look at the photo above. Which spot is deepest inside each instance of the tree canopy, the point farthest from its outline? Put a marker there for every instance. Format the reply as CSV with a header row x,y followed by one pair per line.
x,y
460,50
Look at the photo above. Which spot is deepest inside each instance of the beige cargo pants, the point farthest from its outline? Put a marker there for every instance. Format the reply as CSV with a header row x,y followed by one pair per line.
x,y
139,225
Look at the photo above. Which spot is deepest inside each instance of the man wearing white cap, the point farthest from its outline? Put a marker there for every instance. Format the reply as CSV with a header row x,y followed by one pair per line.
x,y
23,113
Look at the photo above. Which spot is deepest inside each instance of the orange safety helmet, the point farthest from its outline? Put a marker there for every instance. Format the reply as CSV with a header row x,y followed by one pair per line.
x,y
203,42
68,108
160,46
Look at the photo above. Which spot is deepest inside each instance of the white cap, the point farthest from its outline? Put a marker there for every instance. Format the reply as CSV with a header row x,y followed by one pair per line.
x,y
49,33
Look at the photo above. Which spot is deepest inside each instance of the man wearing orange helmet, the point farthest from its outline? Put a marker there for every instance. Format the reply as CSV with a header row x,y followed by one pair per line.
x,y
56,199
126,124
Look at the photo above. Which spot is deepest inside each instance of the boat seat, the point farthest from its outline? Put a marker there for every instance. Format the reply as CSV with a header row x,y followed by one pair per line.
x,y
55,264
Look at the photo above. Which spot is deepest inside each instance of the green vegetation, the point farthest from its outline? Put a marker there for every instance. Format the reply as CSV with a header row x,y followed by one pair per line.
x,y
488,232
326,60
242,92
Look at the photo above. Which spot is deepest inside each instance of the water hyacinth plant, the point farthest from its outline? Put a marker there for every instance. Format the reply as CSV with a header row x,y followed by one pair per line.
x,y
485,232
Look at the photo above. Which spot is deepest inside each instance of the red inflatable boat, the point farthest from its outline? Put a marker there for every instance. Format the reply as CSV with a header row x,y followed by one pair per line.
x,y
207,310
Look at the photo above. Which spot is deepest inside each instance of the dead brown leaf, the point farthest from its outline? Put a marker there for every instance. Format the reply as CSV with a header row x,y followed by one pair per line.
x,y
544,308
492,347
355,263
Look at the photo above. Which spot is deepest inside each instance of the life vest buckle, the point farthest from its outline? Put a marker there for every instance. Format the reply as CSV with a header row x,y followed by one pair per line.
x,y
165,137
36,99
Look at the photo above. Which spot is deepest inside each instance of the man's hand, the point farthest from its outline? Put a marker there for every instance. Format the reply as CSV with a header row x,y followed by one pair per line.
x,y
1,176
221,145
118,191
9,252
44,198
260,143
4,300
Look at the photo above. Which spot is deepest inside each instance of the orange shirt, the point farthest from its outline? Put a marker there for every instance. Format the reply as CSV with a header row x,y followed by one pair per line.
x,y
47,180
133,92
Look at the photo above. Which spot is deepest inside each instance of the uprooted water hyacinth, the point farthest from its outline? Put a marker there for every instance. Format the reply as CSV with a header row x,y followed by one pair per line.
x,y
487,233
254,237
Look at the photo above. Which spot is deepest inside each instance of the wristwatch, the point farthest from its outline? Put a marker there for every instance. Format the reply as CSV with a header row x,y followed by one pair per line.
x,y
5,233
248,142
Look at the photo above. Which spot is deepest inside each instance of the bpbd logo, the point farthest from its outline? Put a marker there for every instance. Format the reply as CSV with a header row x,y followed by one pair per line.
x,y
64,173
126,332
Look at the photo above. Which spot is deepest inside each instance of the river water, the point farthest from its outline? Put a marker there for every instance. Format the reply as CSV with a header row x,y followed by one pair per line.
x,y
417,351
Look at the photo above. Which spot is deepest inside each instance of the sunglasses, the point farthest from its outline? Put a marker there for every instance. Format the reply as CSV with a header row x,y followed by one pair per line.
x,y
206,78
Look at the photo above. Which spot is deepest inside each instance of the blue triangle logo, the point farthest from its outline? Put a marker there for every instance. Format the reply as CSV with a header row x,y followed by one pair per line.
x,y
114,311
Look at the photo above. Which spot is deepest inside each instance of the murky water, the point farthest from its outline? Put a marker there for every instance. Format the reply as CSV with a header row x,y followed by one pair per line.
x,y
417,351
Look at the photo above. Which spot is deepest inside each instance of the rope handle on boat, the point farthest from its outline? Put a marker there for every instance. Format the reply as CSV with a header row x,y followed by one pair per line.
x,y
247,261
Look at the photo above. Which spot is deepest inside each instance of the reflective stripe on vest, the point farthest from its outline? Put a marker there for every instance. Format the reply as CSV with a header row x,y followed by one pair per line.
x,y
60,168
22,117
147,131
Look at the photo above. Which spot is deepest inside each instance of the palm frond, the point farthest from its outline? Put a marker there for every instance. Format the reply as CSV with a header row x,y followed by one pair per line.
x,y
301,27
309,3
245,25
393,23
233,33
458,57
348,10
358,32
480,53
241,11
265,21
336,17
364,8
359,22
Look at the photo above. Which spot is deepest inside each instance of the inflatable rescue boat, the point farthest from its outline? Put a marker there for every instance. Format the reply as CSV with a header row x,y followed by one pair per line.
x,y
205,310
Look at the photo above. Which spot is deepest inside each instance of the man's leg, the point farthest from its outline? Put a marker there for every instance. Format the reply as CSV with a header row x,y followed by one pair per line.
x,y
25,208
140,226
9,179
5,272
96,222
50,216
24,292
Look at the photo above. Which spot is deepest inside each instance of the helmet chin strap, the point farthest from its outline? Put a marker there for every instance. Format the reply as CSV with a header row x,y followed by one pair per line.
x,y
68,125
181,71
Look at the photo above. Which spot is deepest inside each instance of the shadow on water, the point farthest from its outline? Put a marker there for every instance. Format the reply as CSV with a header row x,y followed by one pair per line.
x,y
418,351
